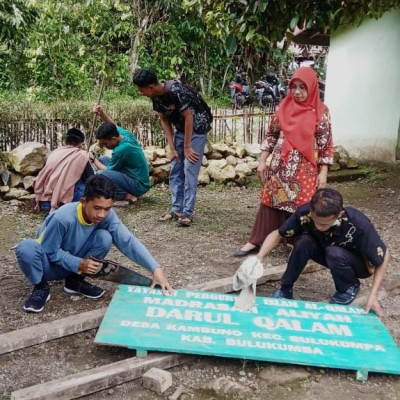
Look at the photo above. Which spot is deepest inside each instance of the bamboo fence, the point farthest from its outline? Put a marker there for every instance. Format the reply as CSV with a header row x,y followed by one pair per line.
x,y
241,126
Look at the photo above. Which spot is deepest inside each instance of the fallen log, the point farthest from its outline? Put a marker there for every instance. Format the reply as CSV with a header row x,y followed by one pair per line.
x,y
100,378
57,329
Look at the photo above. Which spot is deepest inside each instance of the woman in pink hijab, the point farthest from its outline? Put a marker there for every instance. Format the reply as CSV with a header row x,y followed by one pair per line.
x,y
300,140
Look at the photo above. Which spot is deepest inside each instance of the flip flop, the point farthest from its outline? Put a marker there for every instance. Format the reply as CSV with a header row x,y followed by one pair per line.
x,y
132,202
169,216
185,221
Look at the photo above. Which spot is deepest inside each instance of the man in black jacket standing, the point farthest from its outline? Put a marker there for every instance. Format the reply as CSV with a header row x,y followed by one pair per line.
x,y
182,107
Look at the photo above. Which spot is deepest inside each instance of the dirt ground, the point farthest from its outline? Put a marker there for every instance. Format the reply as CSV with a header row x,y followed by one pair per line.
x,y
223,219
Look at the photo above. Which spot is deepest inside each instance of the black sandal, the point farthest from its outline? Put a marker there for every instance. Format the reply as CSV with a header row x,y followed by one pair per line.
x,y
185,221
169,216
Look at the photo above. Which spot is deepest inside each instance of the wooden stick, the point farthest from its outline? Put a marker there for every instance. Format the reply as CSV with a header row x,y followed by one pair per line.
x,y
95,115
177,393
99,378
270,274
45,332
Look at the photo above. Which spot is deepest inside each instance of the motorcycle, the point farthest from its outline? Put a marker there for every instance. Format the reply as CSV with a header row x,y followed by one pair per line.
x,y
269,90
240,91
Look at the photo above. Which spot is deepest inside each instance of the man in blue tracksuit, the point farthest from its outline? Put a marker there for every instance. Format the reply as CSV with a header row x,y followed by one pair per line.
x,y
73,234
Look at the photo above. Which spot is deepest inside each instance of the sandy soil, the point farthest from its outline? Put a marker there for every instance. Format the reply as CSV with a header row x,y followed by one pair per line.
x,y
223,219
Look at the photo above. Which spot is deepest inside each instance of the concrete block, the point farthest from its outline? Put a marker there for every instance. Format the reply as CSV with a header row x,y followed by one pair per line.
x,y
157,380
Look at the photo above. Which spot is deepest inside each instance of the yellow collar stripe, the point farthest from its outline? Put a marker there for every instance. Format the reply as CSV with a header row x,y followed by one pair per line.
x,y
79,212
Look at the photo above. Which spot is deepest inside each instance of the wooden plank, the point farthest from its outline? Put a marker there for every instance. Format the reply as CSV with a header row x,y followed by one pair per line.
x,y
45,332
224,285
100,378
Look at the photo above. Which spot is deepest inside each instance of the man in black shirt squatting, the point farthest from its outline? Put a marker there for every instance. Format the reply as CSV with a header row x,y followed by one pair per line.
x,y
342,239
179,105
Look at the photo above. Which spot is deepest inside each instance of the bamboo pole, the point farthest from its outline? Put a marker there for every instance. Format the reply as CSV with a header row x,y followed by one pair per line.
x,y
89,142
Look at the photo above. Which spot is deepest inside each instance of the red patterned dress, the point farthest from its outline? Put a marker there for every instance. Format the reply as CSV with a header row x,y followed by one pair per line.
x,y
292,184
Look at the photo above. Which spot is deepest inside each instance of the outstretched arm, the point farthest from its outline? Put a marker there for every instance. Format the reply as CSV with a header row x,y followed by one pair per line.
x,y
373,301
270,242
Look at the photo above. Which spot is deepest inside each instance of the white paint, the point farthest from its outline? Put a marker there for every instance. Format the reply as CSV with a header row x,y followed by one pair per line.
x,y
363,87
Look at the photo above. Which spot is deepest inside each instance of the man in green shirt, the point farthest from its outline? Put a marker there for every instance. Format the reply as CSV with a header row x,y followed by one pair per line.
x,y
128,167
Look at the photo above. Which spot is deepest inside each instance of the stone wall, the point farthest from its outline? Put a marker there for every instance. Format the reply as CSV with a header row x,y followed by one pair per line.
x,y
221,163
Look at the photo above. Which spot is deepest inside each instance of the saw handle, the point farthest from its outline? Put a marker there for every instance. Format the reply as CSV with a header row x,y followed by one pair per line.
x,y
106,267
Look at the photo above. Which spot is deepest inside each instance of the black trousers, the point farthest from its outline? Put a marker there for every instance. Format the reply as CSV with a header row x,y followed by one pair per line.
x,y
346,266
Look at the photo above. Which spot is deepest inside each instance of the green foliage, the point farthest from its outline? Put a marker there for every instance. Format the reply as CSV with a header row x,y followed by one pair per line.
x,y
71,45
262,23
15,15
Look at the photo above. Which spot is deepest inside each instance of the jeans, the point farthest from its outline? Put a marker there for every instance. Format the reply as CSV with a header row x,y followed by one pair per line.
x,y
35,265
184,174
346,266
124,184
78,193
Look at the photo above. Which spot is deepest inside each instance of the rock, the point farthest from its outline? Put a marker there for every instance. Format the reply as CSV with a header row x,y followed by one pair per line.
x,y
160,161
204,161
334,167
231,160
282,375
208,148
351,163
30,196
150,154
4,189
221,172
204,178
28,182
14,203
240,151
15,179
225,387
252,150
241,180
340,153
253,165
28,158
224,149
215,155
243,169
217,163
160,153
98,150
15,193
157,380
161,173
167,151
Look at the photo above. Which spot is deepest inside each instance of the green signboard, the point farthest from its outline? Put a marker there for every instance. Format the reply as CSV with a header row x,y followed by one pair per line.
x,y
278,330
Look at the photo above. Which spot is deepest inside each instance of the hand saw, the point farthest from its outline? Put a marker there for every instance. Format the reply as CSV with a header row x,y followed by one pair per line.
x,y
114,272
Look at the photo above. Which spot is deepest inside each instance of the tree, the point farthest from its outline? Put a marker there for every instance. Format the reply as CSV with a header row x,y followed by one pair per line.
x,y
262,23
15,16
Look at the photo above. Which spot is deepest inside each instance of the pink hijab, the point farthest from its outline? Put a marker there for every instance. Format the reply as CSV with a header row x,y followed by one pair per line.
x,y
298,121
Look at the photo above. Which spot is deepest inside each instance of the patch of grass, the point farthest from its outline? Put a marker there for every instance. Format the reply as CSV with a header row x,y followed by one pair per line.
x,y
220,187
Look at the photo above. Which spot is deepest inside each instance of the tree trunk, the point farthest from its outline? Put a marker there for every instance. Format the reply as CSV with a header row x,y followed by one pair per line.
x,y
136,43
225,75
